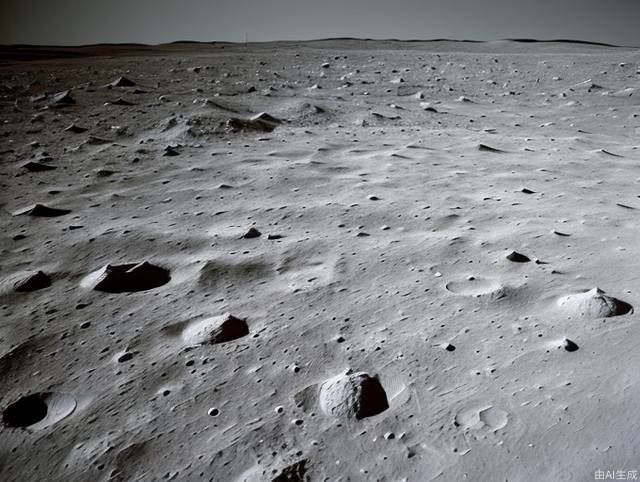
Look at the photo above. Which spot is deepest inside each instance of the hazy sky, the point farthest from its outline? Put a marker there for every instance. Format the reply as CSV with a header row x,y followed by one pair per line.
x,y
72,22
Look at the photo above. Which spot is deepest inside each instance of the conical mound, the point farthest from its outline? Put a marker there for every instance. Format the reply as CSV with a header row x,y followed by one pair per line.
x,y
122,82
354,396
40,210
32,282
218,329
131,278
593,304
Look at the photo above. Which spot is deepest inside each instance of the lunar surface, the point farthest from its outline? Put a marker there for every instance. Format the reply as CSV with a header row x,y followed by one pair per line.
x,y
329,260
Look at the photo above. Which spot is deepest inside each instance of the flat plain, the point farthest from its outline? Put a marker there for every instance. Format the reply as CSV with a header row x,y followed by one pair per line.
x,y
328,260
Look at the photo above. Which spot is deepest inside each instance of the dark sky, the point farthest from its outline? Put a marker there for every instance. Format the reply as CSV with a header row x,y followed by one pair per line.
x,y
72,22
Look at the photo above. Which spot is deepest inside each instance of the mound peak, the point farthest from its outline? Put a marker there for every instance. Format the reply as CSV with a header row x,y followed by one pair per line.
x,y
516,257
32,282
75,129
214,330
35,166
131,277
353,396
63,98
41,210
486,148
122,82
261,122
593,303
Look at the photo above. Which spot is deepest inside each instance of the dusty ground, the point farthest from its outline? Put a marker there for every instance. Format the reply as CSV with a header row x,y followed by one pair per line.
x,y
390,183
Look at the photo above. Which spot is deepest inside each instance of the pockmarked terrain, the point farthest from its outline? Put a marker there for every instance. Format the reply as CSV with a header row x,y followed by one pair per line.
x,y
330,260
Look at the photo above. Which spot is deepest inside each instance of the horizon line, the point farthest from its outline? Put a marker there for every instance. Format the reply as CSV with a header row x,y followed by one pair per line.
x,y
322,39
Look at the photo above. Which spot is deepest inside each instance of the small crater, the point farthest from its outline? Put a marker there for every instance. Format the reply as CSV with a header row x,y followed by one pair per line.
x,y
485,418
475,286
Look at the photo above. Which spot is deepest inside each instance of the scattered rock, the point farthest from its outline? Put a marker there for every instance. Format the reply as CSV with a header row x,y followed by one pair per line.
x,y
125,357
252,233
171,151
122,82
486,148
105,172
75,129
121,101
35,166
62,99
261,122
293,473
569,345
97,141
517,257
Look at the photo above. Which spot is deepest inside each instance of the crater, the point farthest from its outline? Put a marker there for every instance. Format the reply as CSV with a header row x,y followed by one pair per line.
x,y
485,418
38,410
220,273
477,287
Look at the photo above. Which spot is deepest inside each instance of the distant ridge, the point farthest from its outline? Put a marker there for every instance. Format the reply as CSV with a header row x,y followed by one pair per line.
x,y
566,41
322,39
27,52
